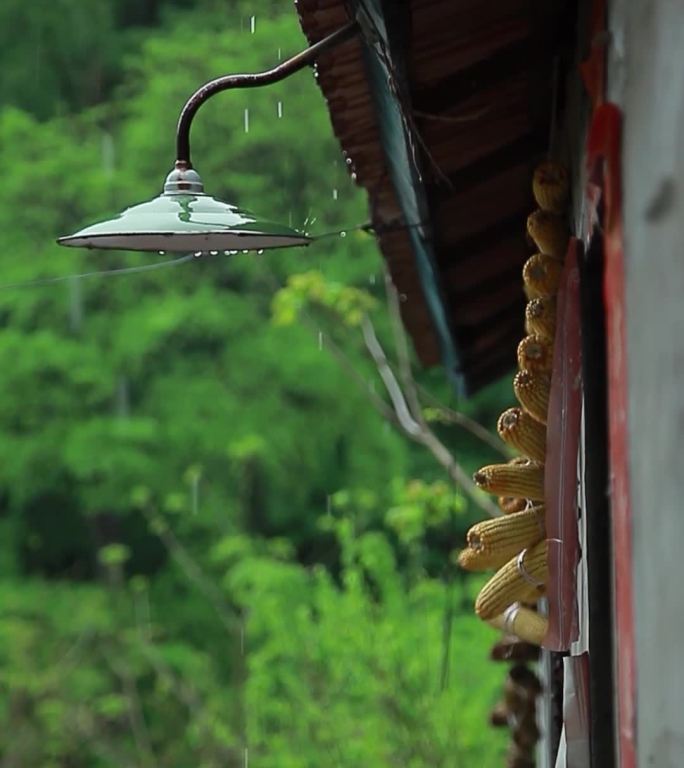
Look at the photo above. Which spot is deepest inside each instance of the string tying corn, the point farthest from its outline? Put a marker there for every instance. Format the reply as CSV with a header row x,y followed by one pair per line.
x,y
541,276
550,186
519,430
540,317
524,480
532,390
522,622
549,232
509,505
492,543
513,582
535,354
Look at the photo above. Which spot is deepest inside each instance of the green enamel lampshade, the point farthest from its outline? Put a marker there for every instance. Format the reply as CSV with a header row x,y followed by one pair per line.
x,y
184,219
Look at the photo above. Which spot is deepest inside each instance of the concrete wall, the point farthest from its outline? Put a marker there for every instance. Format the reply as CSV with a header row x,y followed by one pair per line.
x,y
646,78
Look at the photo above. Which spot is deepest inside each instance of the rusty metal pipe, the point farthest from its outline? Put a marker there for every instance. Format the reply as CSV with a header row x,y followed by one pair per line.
x,y
255,80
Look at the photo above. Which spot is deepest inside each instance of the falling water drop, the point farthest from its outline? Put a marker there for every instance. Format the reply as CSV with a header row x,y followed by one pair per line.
x,y
195,492
403,297
343,233
213,253
280,109
260,252
371,279
334,194
162,253
246,120
320,340
280,54
197,254
328,505
252,24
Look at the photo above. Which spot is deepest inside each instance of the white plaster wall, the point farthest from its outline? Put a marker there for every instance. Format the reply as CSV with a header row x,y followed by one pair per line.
x,y
646,78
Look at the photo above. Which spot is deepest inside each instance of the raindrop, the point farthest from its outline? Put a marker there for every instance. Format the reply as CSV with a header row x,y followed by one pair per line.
x,y
334,194
348,160
213,253
244,250
343,233
252,24
246,758
280,54
162,253
260,252
353,176
195,492
403,297
226,253
197,254
246,120
280,109
371,279
320,340
328,505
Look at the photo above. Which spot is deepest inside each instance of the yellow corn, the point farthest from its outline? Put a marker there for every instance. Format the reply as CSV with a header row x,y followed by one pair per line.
x,y
532,391
522,622
510,504
535,354
541,276
524,480
517,428
549,232
540,317
513,582
496,541
550,186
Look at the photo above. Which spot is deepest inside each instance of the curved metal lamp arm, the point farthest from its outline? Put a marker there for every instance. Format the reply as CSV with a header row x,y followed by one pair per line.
x,y
256,80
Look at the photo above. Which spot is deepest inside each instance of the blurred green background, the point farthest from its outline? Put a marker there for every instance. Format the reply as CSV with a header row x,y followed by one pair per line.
x,y
214,552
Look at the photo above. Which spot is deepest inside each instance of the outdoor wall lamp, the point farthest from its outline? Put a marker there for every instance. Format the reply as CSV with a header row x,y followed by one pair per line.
x,y
183,218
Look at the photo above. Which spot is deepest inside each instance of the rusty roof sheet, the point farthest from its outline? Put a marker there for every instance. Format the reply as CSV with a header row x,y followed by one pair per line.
x,y
478,77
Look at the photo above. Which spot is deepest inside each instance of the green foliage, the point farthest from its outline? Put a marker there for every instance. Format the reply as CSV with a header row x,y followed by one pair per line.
x,y
172,592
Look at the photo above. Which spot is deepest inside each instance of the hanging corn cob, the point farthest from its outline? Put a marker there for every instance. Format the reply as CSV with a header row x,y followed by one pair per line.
x,y
509,505
523,623
515,581
532,391
540,317
492,543
535,354
525,480
509,648
517,428
550,186
541,276
549,232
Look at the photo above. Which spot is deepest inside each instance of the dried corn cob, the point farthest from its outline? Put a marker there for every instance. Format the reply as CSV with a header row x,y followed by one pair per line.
x,y
526,480
517,428
549,232
532,390
496,541
499,716
512,582
526,733
541,276
522,622
535,354
509,505
550,186
509,648
525,678
540,317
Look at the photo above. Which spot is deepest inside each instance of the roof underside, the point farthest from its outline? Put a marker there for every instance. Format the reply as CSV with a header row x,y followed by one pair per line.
x,y
473,85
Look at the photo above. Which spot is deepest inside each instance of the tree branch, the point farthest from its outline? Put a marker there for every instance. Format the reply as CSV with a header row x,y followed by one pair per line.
x,y
421,432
